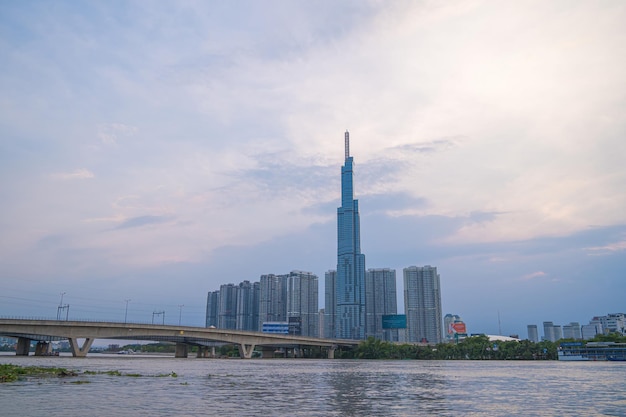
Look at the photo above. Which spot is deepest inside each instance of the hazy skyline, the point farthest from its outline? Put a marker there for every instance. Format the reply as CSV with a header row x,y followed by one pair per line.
x,y
154,151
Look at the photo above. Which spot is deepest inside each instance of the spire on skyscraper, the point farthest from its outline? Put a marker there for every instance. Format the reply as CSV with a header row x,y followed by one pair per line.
x,y
347,140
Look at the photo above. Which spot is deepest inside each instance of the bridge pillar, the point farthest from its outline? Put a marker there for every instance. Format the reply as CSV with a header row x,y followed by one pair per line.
x,y
203,352
80,351
245,351
212,351
182,350
43,349
23,346
331,352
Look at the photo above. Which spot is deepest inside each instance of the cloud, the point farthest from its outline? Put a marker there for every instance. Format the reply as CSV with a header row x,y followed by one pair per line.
x,y
110,133
77,174
143,221
611,248
534,275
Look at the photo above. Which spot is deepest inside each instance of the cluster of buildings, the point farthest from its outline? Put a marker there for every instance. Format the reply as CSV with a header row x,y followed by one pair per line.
x,y
611,323
358,302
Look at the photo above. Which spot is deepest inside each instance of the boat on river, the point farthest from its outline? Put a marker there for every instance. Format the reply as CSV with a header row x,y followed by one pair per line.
x,y
592,351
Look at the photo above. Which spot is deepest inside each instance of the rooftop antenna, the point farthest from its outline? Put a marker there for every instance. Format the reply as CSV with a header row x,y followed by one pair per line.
x,y
499,327
347,139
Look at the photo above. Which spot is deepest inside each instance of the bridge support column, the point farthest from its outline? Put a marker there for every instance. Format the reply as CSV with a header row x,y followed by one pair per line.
x,y
212,351
23,346
203,352
80,351
43,349
245,351
331,352
182,350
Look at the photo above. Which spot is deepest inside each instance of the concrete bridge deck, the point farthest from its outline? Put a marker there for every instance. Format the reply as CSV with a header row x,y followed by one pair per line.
x,y
45,331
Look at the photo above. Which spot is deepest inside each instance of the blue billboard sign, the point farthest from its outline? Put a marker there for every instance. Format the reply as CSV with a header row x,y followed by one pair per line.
x,y
394,321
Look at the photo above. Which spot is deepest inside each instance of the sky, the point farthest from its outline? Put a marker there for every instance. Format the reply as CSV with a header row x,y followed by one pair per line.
x,y
152,151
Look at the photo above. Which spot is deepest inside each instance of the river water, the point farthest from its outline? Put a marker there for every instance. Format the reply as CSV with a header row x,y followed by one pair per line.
x,y
307,387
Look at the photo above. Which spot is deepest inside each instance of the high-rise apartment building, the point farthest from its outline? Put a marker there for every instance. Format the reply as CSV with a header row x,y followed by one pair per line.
x,y
422,304
572,331
548,333
272,299
330,304
302,302
248,306
533,333
350,282
227,316
380,299
212,308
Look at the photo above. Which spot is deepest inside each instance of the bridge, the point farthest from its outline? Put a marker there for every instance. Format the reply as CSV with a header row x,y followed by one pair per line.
x,y
46,331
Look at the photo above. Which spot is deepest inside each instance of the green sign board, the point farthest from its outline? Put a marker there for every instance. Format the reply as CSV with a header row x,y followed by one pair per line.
x,y
394,321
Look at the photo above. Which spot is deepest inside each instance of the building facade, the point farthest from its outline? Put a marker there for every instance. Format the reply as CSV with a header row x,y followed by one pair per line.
x,y
272,299
302,303
350,282
533,333
212,308
248,306
380,299
330,304
422,304
227,316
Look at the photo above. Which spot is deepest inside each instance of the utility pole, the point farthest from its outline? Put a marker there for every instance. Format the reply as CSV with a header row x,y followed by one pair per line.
x,y
180,312
126,312
62,307
158,313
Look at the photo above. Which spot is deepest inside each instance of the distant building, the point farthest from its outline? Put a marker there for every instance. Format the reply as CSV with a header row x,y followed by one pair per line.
x,y
572,331
227,316
557,332
611,323
454,327
589,331
212,308
350,281
422,304
276,327
248,306
330,304
548,331
272,298
302,302
380,299
533,334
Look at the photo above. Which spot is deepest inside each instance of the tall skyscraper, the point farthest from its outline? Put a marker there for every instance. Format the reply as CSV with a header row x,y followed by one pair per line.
x,y
380,300
330,304
533,334
350,282
227,317
548,331
302,302
212,308
272,299
248,306
422,303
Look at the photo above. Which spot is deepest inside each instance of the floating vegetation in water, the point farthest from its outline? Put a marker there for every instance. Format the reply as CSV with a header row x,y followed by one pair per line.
x,y
11,373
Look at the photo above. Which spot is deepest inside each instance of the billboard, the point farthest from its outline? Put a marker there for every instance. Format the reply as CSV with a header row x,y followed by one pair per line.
x,y
457,327
394,321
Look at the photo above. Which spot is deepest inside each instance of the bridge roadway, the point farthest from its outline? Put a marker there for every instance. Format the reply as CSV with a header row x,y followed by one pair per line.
x,y
45,331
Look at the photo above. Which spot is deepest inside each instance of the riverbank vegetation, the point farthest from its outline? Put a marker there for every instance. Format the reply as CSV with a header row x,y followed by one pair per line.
x,y
471,348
